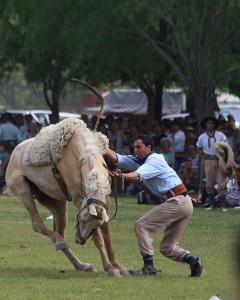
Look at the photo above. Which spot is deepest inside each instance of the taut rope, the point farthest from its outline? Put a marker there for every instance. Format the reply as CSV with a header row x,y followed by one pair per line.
x,y
95,93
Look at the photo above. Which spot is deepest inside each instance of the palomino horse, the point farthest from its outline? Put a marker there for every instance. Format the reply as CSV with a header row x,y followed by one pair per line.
x,y
65,161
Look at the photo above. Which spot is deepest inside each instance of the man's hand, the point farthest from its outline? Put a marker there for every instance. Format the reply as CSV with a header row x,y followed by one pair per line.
x,y
115,173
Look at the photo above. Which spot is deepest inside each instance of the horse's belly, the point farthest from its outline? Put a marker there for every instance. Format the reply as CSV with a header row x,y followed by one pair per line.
x,y
43,179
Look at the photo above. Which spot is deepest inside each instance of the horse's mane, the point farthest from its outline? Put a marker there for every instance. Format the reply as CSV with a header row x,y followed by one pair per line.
x,y
48,145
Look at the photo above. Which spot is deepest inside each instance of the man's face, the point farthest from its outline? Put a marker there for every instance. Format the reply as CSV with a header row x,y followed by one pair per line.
x,y
140,150
210,125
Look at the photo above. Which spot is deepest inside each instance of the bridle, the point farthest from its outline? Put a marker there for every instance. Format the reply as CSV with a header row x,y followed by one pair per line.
x,y
94,231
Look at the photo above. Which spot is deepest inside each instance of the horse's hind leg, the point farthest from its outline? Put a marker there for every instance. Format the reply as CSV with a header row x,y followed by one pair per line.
x,y
24,194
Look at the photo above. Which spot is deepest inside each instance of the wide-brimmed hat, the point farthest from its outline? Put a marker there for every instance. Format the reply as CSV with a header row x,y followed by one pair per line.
x,y
205,120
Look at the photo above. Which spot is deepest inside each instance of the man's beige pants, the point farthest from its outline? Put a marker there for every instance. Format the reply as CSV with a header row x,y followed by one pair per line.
x,y
173,215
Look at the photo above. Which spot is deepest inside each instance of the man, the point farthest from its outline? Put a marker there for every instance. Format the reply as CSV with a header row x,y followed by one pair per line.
x,y
8,131
178,139
173,215
213,174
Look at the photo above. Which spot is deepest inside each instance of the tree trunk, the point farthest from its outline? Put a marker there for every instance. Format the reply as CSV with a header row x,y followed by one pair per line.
x,y
154,96
52,92
157,113
205,102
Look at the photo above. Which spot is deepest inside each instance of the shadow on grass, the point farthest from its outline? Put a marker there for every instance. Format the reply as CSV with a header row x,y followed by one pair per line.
x,y
12,274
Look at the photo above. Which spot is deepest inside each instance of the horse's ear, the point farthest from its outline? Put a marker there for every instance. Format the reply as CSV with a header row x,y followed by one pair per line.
x,y
92,210
104,215
101,212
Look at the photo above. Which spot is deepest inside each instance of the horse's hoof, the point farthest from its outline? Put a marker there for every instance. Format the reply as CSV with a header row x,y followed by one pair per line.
x,y
87,268
114,274
124,272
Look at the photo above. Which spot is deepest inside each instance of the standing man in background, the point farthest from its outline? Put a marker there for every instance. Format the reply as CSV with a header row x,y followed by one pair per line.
x,y
213,174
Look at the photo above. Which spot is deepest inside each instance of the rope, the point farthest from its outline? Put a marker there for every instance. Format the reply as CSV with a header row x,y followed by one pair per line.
x,y
95,93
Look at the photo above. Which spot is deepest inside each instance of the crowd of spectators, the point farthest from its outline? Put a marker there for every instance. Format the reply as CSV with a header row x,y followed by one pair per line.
x,y
14,130
174,139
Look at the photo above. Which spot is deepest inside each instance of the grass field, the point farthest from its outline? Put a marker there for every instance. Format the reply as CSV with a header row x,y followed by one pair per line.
x,y
31,268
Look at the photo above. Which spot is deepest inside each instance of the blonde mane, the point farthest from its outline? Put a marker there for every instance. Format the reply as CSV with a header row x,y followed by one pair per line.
x,y
97,184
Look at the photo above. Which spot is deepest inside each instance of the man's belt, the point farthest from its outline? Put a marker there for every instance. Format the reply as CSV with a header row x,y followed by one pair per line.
x,y
176,191
210,157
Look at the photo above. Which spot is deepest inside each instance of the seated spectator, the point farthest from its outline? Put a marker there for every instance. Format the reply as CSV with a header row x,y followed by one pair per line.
x,y
221,122
188,175
85,119
157,133
166,127
157,148
231,121
191,139
9,146
166,151
116,136
126,150
103,129
33,130
133,188
233,193
3,154
237,153
8,131
133,133
232,134
193,156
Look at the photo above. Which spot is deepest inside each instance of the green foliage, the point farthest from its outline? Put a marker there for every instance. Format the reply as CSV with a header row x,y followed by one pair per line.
x,y
32,269
148,44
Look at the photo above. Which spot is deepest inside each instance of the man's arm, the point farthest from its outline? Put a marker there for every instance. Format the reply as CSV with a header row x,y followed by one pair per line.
x,y
129,177
111,155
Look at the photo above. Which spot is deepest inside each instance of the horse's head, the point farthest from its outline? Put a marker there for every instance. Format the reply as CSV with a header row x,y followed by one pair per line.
x,y
92,215
94,207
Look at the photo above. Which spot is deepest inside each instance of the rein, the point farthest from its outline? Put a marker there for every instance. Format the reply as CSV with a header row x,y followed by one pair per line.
x,y
57,175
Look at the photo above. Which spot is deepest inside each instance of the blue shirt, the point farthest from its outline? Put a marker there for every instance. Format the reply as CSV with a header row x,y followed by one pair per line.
x,y
155,172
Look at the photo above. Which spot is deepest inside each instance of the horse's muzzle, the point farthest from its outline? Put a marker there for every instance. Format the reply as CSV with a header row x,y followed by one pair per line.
x,y
80,241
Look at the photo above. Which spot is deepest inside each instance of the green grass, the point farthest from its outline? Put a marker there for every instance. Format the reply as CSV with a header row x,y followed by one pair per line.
x,y
31,268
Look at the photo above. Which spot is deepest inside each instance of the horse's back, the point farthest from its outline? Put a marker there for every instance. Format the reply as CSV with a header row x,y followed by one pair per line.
x,y
20,174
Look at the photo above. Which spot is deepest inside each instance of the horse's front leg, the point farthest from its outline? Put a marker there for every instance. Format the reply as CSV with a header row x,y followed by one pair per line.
x,y
107,265
109,248
59,211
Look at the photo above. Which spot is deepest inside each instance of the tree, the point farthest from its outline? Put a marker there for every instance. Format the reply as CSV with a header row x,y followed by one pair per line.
x,y
9,40
46,50
202,35
117,52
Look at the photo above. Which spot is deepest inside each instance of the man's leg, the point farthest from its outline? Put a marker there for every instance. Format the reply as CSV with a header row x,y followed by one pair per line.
x,y
210,169
173,214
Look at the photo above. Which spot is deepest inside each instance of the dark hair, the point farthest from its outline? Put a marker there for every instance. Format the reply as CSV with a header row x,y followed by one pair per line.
x,y
163,139
147,140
